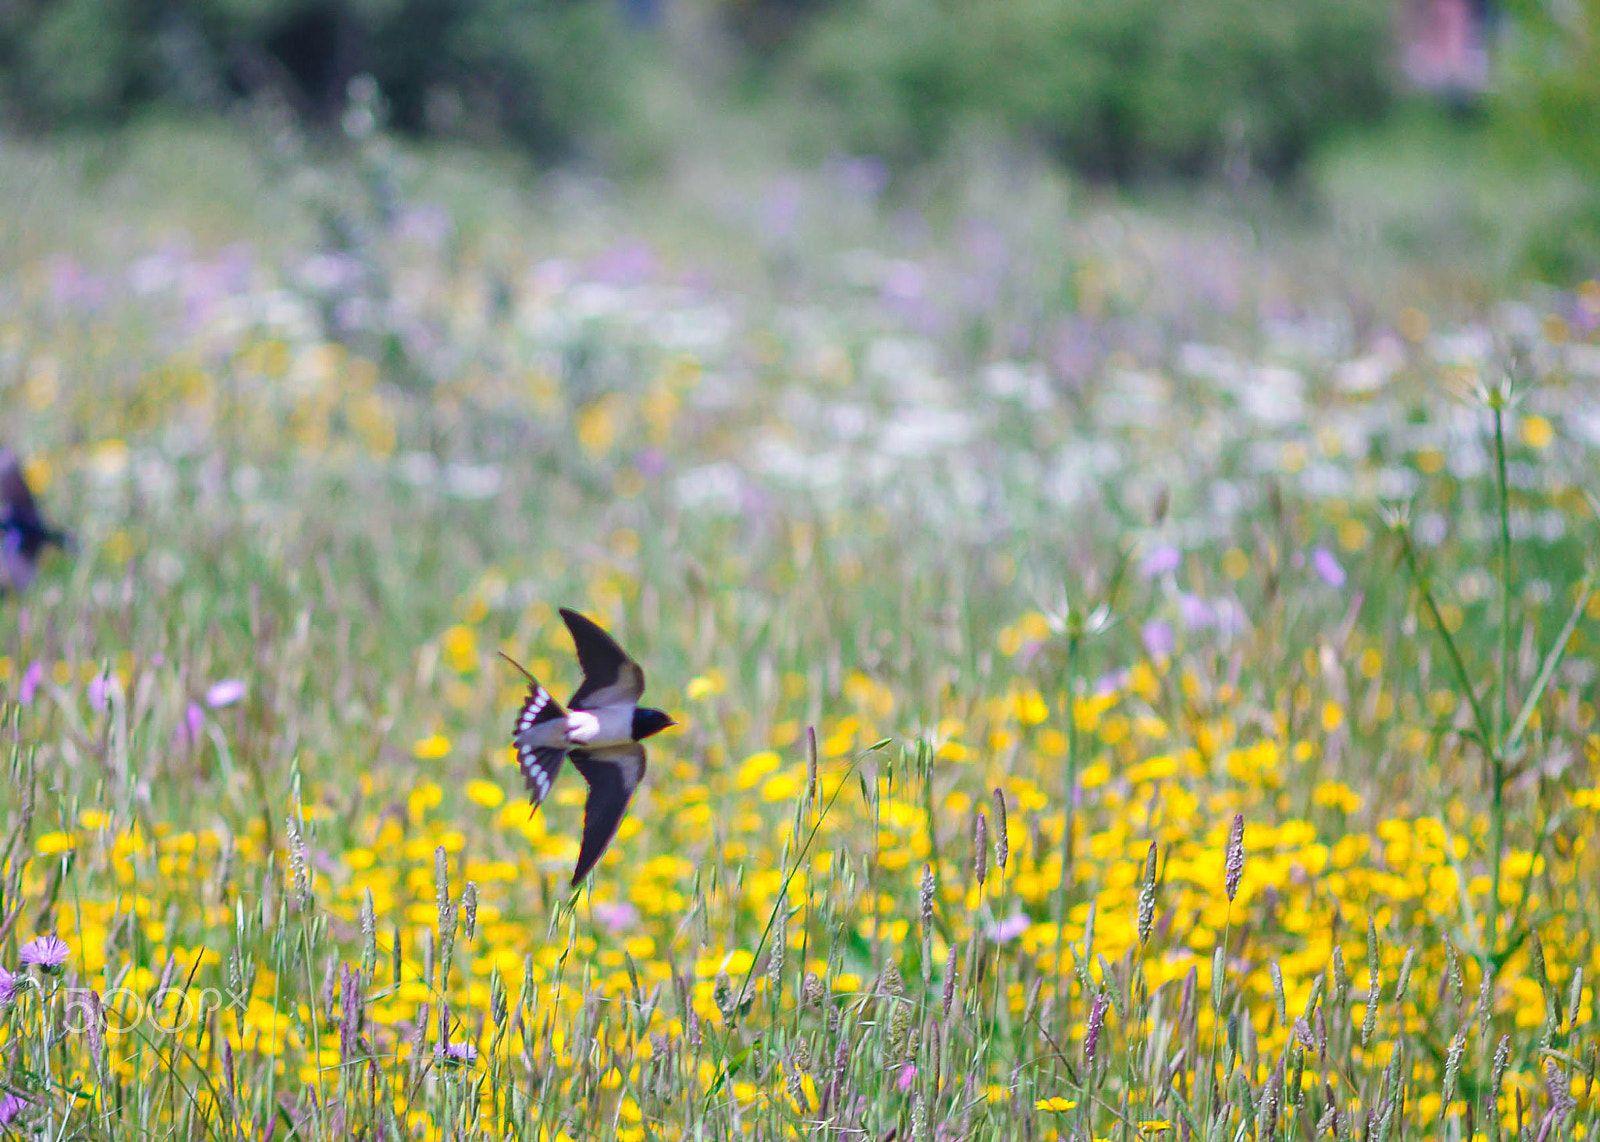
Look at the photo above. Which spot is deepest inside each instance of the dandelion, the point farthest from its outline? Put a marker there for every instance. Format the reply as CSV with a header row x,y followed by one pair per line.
x,y
1056,1103
47,953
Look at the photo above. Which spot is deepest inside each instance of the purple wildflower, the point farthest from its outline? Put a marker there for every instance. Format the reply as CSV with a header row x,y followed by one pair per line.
x,y
906,1077
1327,567
225,693
1158,638
8,986
457,1054
1004,931
31,678
194,721
1195,613
617,916
1111,683
11,1106
47,953
1162,560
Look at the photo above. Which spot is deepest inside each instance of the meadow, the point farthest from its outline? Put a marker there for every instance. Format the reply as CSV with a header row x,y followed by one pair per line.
x,y
1138,674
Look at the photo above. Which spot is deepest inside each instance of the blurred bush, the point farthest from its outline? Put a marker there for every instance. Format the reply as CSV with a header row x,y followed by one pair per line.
x,y
1548,107
1122,89
543,71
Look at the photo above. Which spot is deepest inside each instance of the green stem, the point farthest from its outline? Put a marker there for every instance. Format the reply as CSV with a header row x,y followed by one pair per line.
x,y
1449,643
1068,797
1505,578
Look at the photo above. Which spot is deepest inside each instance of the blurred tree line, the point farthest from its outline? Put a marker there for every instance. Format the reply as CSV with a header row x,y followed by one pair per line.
x,y
1123,89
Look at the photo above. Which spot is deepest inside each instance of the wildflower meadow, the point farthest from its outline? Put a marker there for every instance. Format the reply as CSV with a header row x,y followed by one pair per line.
x,y
1137,680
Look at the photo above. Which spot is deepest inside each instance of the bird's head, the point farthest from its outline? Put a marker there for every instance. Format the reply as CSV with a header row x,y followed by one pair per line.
x,y
647,721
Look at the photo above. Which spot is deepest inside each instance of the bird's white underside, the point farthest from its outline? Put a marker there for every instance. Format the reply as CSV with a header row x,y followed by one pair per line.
x,y
582,727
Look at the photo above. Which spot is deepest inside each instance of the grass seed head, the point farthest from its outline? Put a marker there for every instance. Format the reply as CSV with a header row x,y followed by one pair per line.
x,y
1452,1066
950,971
1235,859
1002,840
1091,1034
469,910
1147,895
1403,983
980,847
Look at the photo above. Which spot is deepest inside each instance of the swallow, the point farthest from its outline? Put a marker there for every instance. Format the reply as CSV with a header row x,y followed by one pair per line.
x,y
23,532
600,729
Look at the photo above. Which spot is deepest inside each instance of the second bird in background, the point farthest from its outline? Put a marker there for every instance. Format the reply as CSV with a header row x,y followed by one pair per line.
x,y
23,532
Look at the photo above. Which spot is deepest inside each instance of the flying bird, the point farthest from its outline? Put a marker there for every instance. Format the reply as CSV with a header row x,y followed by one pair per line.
x,y
600,730
23,532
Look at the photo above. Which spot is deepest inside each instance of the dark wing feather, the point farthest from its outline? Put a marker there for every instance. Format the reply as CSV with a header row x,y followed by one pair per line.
x,y
18,500
540,766
613,773
610,677
540,763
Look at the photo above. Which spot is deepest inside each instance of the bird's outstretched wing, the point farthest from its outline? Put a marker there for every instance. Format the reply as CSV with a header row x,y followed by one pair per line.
x,y
539,761
613,773
610,677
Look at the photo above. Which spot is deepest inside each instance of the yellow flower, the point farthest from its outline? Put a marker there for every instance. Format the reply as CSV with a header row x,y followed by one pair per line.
x,y
485,793
431,748
755,767
705,685
781,787
1537,432
1056,1103
52,843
